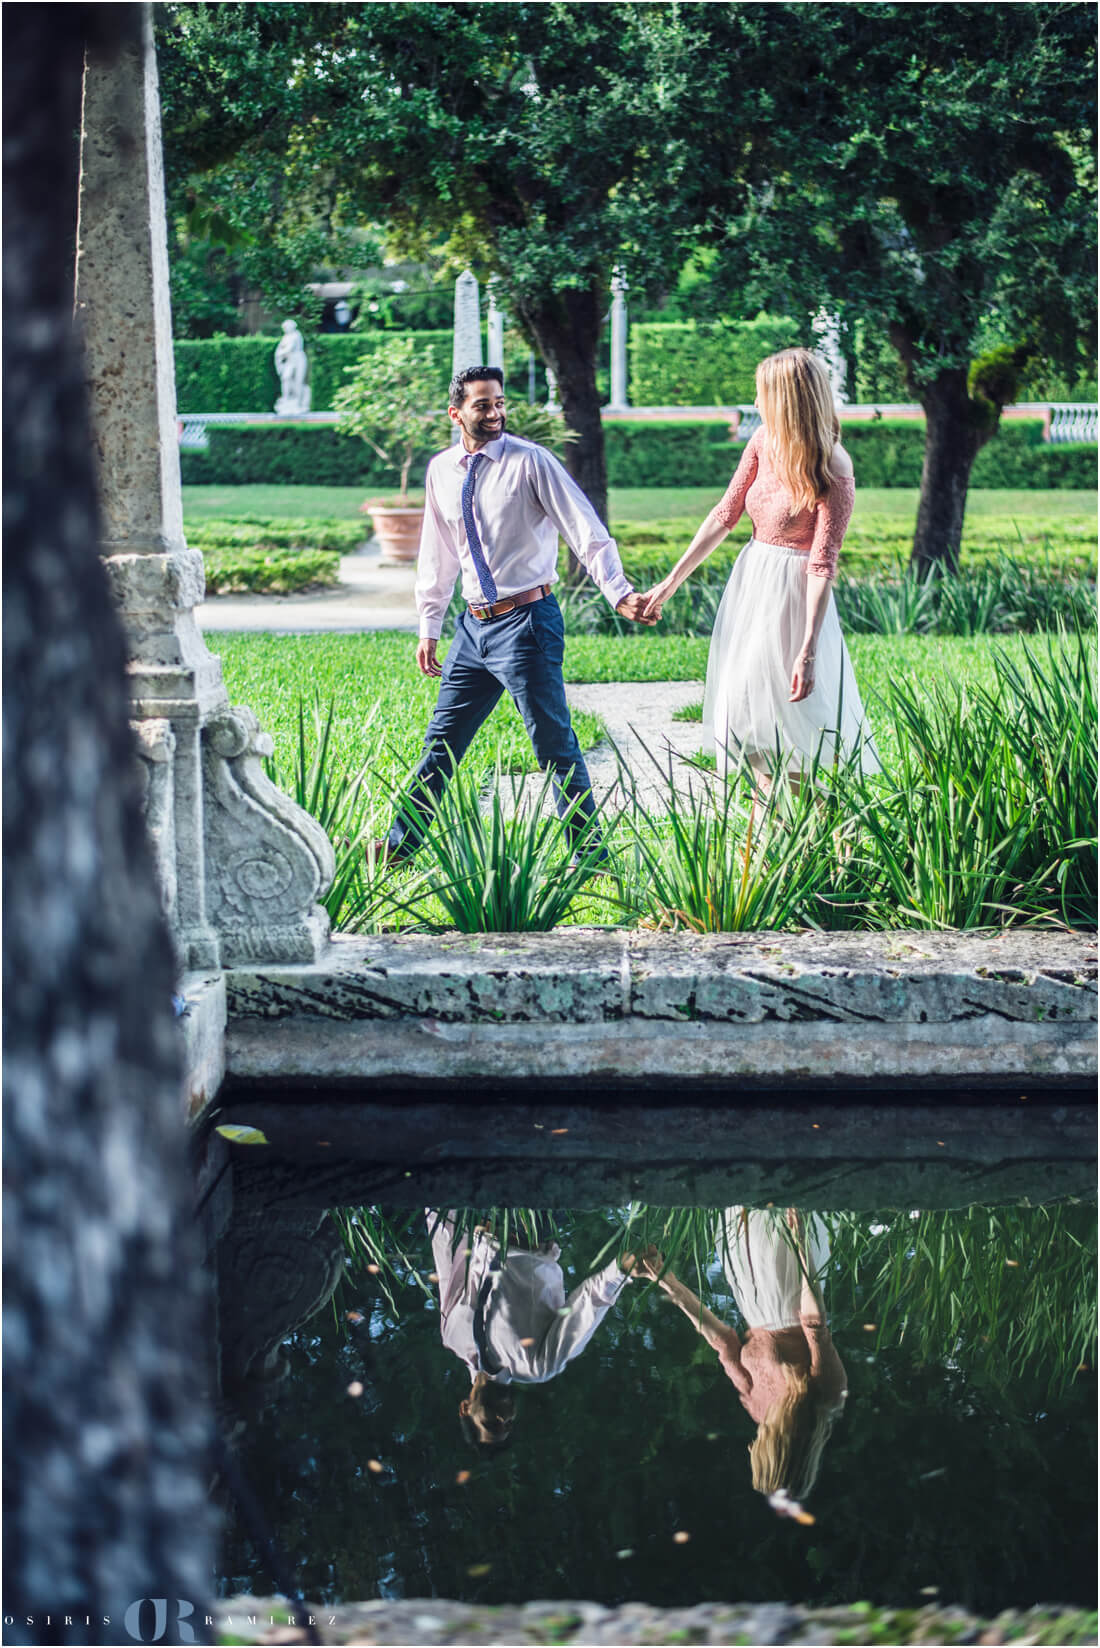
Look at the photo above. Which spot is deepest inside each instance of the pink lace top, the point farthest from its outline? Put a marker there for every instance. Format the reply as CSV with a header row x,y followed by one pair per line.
x,y
757,488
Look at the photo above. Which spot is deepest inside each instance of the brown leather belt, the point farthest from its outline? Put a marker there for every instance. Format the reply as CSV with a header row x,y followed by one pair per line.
x,y
508,603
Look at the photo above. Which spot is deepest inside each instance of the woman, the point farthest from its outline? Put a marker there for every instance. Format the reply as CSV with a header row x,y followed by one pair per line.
x,y
780,690
786,1370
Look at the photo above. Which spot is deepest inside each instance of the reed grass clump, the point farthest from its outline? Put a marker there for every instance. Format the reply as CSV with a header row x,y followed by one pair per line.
x,y
982,817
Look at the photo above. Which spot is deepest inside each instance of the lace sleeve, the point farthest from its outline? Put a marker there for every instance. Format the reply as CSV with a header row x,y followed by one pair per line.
x,y
732,506
833,514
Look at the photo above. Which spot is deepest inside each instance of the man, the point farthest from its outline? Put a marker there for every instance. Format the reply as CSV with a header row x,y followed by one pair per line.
x,y
494,508
507,1317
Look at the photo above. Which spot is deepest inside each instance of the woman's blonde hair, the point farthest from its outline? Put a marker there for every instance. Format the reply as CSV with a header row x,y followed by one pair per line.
x,y
791,1437
796,404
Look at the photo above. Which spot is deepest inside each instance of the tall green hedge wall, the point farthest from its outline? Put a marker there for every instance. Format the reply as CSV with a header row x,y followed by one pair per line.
x,y
677,364
238,374
670,365
638,454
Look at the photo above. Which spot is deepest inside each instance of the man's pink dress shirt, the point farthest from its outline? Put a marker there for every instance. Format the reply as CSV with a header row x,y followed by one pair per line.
x,y
523,500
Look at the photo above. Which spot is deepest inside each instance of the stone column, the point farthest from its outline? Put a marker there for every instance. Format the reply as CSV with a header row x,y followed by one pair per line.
x,y
225,868
619,402
467,328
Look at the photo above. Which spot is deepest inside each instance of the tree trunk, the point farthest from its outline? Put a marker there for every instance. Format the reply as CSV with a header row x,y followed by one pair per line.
x,y
566,329
956,429
105,1425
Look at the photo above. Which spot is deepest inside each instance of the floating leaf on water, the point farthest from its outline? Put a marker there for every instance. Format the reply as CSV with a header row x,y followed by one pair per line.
x,y
680,1537
376,1466
355,1388
462,1478
480,1569
241,1135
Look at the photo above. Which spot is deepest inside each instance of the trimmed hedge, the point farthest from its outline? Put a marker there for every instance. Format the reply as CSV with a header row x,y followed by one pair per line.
x,y
290,454
269,572
638,455
679,364
669,454
238,374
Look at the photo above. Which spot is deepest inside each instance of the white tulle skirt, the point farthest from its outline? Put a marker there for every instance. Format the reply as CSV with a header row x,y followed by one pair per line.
x,y
758,633
762,1264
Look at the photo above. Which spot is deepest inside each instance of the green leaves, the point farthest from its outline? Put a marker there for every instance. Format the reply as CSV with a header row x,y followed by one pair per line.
x,y
393,400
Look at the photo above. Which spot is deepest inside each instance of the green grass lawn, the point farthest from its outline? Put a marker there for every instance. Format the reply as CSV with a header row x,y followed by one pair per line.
x,y
1001,836
383,702
1054,530
899,504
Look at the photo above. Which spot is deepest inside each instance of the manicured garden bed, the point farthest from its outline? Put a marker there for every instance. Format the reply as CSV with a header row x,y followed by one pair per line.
x,y
984,812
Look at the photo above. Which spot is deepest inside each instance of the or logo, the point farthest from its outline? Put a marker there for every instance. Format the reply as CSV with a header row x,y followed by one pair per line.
x,y
136,1619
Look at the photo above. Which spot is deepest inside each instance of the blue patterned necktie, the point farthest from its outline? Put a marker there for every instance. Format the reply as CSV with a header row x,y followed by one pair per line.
x,y
477,554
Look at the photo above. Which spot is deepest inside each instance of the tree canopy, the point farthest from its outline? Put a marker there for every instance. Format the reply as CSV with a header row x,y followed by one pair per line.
x,y
927,171
536,140
923,171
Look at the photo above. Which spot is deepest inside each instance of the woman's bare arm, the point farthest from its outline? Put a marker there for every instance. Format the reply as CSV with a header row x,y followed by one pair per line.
x,y
718,1334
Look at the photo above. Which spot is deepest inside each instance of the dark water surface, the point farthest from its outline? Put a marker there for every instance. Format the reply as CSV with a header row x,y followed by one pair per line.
x,y
964,1459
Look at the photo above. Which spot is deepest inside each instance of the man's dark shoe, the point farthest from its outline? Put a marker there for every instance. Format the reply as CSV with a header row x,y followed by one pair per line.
x,y
383,853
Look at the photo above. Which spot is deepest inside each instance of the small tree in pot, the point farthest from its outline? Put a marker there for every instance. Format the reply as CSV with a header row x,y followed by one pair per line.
x,y
392,401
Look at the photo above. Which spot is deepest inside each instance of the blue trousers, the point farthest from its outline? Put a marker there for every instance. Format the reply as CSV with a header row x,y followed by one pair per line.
x,y
520,653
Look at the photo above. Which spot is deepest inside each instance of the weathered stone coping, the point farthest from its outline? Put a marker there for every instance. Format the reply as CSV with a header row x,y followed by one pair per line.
x,y
608,1007
433,1620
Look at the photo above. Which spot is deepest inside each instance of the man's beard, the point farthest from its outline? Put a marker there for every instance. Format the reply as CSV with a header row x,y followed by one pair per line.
x,y
482,432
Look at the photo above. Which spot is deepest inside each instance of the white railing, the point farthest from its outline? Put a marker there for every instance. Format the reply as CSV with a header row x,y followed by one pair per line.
x,y
1065,421
1072,421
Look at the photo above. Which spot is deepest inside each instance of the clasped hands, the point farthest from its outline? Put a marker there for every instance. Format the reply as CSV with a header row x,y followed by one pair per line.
x,y
648,1263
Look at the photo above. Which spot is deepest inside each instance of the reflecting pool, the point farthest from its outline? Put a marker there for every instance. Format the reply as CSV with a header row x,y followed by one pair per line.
x,y
673,1406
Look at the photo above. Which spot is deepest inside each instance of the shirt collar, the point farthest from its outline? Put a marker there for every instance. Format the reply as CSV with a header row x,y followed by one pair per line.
x,y
494,450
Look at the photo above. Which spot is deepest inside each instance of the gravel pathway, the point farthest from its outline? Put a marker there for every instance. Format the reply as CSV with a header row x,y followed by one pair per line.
x,y
638,716
641,732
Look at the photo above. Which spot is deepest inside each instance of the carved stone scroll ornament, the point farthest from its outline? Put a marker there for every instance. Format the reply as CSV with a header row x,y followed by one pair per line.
x,y
267,861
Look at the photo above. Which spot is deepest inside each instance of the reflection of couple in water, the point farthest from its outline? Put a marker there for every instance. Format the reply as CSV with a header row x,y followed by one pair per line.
x,y
785,1367
508,1318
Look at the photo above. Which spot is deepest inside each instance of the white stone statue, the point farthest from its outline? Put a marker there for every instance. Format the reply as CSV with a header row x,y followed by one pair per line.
x,y
291,365
826,329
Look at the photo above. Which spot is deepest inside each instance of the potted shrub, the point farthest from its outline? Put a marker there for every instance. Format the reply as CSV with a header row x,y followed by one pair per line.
x,y
391,401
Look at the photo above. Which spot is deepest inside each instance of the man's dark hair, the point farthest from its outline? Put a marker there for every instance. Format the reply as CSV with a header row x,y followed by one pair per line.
x,y
472,374
472,1436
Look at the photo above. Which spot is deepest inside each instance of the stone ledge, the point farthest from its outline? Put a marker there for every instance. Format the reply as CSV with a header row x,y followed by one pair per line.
x,y
615,1006
581,976
433,1620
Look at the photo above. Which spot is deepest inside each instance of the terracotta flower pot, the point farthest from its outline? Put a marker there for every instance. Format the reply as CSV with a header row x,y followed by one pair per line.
x,y
398,532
